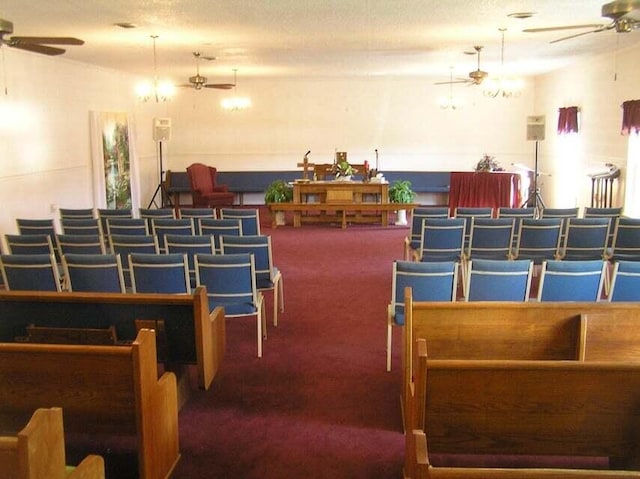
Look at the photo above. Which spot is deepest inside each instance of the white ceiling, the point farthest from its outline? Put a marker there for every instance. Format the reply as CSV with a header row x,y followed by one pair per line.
x,y
298,38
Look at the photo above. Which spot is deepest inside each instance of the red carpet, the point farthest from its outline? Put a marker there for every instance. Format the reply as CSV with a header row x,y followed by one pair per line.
x,y
319,404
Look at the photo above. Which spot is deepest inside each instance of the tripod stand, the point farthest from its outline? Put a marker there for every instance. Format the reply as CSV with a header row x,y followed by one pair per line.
x,y
164,198
535,198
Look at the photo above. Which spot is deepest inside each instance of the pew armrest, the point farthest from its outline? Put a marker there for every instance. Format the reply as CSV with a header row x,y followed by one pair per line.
x,y
91,467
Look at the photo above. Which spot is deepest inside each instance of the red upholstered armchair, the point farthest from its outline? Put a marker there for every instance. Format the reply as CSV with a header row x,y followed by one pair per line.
x,y
204,191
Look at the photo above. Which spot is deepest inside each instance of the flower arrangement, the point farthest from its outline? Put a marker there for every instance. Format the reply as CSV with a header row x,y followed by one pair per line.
x,y
487,163
343,169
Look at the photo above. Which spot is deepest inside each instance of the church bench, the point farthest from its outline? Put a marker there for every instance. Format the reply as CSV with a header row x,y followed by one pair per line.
x,y
187,332
345,212
112,390
518,331
37,451
568,409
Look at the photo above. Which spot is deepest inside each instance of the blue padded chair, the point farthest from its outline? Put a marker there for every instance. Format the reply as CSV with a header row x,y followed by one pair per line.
x,y
80,244
585,238
231,283
30,272
498,280
268,276
127,226
563,213
160,273
99,273
468,213
412,242
626,241
39,227
105,213
250,218
124,245
29,244
490,238
625,281
218,228
151,213
196,214
164,226
611,213
77,213
191,246
579,280
81,226
538,239
517,214
429,282
442,239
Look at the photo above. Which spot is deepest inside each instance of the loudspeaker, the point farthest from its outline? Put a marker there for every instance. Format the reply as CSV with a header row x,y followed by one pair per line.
x,y
535,128
162,129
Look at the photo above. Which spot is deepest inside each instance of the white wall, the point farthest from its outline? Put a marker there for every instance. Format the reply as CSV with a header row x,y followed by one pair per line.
x,y
598,87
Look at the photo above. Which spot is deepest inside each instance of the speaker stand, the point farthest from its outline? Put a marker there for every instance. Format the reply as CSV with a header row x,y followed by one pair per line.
x,y
535,198
161,190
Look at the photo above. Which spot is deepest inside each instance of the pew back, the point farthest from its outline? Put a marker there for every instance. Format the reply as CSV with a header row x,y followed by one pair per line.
x,y
102,389
566,408
37,451
192,335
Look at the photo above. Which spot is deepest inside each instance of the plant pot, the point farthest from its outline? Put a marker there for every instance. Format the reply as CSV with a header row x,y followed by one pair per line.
x,y
401,218
280,219
343,178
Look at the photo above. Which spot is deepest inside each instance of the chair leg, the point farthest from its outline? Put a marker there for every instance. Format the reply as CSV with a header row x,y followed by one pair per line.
x,y
259,328
389,341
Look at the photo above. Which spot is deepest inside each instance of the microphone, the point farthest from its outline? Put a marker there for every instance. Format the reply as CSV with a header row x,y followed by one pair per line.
x,y
307,153
376,150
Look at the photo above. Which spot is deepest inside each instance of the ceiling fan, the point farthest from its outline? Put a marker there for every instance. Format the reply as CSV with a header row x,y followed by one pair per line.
x,y
476,77
199,82
624,15
34,44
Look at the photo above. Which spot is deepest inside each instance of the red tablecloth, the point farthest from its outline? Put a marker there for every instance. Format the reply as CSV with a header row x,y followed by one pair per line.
x,y
482,189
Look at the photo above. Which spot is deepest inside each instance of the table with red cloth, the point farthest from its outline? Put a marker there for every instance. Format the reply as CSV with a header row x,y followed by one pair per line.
x,y
484,189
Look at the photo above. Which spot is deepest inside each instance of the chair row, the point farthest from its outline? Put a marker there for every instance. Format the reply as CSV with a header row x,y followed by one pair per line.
x,y
508,280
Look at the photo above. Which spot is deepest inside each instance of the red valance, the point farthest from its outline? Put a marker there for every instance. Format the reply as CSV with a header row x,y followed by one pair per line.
x,y
568,120
630,117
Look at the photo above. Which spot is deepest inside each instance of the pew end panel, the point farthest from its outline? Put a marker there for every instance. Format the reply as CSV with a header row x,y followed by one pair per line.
x,y
38,451
609,335
102,389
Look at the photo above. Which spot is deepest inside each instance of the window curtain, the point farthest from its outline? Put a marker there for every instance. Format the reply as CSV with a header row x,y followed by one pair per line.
x,y
568,120
630,117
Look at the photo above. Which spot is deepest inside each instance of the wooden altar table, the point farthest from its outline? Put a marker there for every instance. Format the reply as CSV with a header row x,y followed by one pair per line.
x,y
341,202
484,189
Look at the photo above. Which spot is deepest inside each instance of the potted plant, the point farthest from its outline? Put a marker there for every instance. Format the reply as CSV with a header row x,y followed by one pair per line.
x,y
278,191
401,192
343,171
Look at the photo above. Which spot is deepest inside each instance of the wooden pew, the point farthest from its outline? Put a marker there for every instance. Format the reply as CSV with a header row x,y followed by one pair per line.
x,y
192,335
37,451
540,408
518,331
102,390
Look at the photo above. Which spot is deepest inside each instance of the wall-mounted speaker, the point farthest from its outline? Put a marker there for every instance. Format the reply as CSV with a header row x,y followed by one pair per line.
x,y
162,129
535,128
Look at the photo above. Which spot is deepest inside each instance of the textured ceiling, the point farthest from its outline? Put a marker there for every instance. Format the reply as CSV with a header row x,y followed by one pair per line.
x,y
298,38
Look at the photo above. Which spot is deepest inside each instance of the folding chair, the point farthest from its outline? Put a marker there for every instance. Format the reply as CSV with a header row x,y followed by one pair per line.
x,y
196,214
563,213
442,239
268,276
611,213
217,228
468,213
517,214
428,281
81,226
412,242
80,244
100,273
538,239
124,245
498,280
250,218
191,246
585,238
164,226
230,280
30,272
29,244
626,241
159,273
625,281
76,213
579,280
39,227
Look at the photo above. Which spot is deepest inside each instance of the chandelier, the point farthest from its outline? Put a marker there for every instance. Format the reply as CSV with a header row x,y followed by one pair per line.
x,y
235,103
502,84
160,90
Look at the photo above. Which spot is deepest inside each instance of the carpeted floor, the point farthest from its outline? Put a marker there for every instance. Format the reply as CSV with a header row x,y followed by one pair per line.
x,y
319,404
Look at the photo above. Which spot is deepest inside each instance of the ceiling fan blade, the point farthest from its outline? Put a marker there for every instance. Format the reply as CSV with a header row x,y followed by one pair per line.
x,y
48,40
579,35
451,82
564,27
34,47
220,86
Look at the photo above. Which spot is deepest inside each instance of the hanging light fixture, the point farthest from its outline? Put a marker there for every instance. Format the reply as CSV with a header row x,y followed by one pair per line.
x,y
235,103
502,84
450,102
160,90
